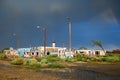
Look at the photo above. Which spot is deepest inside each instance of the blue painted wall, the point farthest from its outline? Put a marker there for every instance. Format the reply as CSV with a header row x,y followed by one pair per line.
x,y
22,50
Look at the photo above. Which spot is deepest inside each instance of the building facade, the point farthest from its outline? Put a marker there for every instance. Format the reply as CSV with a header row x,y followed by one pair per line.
x,y
91,52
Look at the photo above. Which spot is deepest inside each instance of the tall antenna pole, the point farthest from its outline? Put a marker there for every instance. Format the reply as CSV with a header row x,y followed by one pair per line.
x,y
44,40
70,33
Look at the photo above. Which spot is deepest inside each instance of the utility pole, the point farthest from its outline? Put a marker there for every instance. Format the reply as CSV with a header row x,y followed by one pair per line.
x,y
44,29
70,34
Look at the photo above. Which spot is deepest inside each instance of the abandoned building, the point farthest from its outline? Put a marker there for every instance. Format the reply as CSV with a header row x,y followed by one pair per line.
x,y
91,52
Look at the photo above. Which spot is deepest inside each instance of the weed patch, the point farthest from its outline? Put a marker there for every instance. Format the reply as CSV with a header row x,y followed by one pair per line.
x,y
18,61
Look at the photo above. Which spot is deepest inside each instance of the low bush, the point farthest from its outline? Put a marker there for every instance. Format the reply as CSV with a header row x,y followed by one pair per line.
x,y
68,59
53,59
104,59
79,59
53,55
44,61
94,58
109,54
33,63
55,65
18,61
3,57
111,59
1,52
71,59
44,65
38,65
84,59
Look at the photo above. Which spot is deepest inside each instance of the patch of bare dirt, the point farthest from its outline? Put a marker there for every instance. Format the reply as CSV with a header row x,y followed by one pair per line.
x,y
102,67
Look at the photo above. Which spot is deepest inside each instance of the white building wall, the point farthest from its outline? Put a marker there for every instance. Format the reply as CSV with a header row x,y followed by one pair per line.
x,y
91,52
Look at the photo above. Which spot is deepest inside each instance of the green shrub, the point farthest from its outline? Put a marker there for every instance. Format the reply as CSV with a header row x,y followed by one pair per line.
x,y
109,54
18,61
79,59
71,59
44,61
53,55
88,60
38,65
3,57
84,59
27,63
51,59
32,62
98,59
55,65
44,65
111,59
116,59
104,59
1,52
95,58
68,59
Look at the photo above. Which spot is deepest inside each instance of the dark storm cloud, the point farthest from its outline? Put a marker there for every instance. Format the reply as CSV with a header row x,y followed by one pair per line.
x,y
16,13
53,8
22,16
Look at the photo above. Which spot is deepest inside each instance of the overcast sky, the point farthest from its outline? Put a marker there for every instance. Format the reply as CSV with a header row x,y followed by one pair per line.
x,y
91,20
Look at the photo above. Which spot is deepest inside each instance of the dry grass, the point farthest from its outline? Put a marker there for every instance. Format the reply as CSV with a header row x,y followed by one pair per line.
x,y
7,72
17,74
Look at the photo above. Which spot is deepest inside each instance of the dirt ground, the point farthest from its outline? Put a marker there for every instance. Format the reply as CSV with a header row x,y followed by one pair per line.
x,y
112,69
73,72
9,72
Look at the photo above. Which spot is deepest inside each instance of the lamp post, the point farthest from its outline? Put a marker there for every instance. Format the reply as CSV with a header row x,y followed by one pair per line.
x,y
70,33
44,30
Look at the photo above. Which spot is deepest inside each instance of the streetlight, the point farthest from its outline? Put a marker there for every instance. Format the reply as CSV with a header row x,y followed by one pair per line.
x,y
70,33
44,30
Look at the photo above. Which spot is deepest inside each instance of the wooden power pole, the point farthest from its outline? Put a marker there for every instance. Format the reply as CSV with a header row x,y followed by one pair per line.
x,y
70,33
44,41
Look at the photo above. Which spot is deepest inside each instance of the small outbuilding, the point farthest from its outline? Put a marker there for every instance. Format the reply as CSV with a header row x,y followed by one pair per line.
x,y
91,52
